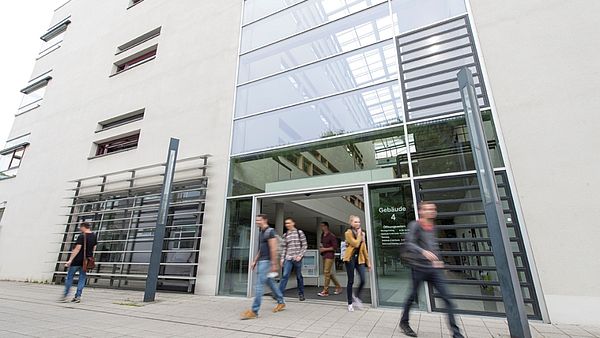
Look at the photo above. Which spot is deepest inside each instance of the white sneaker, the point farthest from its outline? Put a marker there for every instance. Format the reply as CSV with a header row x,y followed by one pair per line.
x,y
356,301
350,308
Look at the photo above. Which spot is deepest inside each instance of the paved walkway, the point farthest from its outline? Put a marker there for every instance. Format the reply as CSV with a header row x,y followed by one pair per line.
x,y
31,310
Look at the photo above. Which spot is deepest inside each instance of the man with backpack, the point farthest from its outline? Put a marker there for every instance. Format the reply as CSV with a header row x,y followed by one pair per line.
x,y
265,263
294,248
82,254
420,251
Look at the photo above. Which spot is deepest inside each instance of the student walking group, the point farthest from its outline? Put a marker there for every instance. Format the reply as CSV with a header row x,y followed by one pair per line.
x,y
419,251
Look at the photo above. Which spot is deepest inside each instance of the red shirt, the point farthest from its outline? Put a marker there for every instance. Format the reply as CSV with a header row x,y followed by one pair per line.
x,y
329,241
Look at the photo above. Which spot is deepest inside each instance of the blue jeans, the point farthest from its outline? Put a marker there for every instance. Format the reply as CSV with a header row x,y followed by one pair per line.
x,y
80,283
351,265
263,268
288,264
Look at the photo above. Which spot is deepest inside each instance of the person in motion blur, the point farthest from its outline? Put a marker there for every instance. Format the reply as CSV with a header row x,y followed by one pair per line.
x,y
328,245
356,257
421,241
266,265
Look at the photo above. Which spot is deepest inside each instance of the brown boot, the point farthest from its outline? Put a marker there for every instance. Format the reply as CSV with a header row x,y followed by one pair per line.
x,y
279,307
249,314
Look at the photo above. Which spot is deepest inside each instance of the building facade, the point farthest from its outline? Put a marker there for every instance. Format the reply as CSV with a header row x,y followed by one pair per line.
x,y
314,109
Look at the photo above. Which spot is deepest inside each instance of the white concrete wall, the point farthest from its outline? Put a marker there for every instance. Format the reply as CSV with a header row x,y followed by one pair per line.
x,y
542,62
187,92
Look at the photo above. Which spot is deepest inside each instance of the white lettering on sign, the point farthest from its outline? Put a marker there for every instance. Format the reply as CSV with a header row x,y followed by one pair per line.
x,y
386,210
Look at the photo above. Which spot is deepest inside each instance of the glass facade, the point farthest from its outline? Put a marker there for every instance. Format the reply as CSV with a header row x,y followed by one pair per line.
x,y
364,93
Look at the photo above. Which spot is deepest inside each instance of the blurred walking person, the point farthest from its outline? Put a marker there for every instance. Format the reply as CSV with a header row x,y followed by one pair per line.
x,y
422,248
356,257
265,263
328,246
294,248
84,245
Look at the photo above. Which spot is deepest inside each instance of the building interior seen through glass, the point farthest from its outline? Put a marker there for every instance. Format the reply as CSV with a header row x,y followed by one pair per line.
x,y
364,92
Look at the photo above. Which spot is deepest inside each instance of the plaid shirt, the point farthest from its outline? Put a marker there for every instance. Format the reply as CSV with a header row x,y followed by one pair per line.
x,y
294,244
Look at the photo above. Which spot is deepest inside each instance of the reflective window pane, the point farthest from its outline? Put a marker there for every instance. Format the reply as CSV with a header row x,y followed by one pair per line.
x,y
368,108
373,64
343,35
256,9
297,19
443,145
341,160
236,248
412,14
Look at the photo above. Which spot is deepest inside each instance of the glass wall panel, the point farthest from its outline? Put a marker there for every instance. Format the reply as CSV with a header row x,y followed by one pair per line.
x,y
340,160
366,66
391,211
297,19
363,109
236,248
355,31
443,145
256,9
413,14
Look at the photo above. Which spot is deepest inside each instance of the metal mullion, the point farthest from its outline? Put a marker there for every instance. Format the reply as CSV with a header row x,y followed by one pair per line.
x,y
402,54
127,229
427,96
431,35
473,253
126,243
441,62
133,197
482,298
475,267
473,239
465,213
479,282
440,72
150,207
451,49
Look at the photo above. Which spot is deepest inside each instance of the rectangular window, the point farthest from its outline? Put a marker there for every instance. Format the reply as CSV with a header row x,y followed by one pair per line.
x,y
121,120
16,157
33,93
139,40
136,59
118,144
53,38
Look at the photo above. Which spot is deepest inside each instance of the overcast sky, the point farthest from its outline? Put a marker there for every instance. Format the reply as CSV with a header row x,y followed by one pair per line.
x,y
21,25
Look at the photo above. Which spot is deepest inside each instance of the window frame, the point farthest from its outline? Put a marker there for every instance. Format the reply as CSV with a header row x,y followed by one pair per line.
x,y
121,143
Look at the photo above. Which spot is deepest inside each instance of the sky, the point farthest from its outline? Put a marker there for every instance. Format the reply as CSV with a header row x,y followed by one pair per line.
x,y
21,25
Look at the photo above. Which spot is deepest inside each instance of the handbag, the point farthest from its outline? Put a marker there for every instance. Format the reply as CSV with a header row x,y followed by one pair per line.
x,y
89,263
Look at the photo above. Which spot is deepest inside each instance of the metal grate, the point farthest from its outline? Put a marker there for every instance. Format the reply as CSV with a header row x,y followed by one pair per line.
x,y
466,248
429,58
122,208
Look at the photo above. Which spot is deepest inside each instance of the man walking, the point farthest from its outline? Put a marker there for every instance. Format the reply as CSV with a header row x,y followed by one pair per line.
x,y
265,263
328,245
294,247
75,264
421,240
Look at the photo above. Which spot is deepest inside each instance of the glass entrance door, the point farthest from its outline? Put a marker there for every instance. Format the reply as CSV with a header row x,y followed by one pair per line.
x,y
392,209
